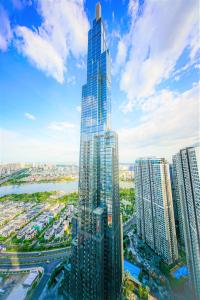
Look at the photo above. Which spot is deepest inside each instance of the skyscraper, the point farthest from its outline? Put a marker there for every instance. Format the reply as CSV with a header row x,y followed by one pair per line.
x,y
95,268
155,215
187,164
177,202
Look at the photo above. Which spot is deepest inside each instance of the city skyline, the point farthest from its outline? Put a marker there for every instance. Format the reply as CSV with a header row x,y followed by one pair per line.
x,y
100,149
155,113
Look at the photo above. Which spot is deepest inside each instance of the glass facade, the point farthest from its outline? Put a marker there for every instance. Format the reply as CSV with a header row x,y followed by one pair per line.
x,y
187,165
154,207
95,267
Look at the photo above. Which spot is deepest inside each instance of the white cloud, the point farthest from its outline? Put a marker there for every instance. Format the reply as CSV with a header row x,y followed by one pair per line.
x,y
170,121
81,64
30,116
62,32
40,52
44,148
71,80
155,41
121,55
133,8
61,126
78,108
5,29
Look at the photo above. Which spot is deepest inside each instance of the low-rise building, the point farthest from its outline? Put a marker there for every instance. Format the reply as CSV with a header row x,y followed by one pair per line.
x,y
59,232
49,234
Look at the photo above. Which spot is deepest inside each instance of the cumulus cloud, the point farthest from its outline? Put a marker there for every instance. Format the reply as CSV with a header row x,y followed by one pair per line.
x,y
63,32
61,126
5,29
30,116
121,55
46,59
158,34
170,121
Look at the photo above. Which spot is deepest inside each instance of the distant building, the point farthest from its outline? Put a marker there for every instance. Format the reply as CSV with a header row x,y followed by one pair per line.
x,y
30,279
155,215
187,165
74,226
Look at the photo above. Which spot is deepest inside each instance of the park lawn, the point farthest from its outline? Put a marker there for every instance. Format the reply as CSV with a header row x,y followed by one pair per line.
x,y
127,210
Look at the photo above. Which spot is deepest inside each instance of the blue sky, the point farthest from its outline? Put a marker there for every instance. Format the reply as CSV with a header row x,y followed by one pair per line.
x,y
155,76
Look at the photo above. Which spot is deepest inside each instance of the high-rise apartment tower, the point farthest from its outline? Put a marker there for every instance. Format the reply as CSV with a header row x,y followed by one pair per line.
x,y
154,205
187,165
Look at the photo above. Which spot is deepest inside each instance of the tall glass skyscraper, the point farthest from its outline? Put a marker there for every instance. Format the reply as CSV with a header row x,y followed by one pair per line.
x,y
95,267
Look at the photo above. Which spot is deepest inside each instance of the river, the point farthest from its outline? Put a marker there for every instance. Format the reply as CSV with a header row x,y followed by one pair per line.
x,y
29,188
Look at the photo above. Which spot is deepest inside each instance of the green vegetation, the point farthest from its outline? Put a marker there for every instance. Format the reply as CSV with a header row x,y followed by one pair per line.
x,y
20,177
70,199
143,274
35,197
167,271
55,272
127,203
56,179
40,197
38,242
127,286
15,178
142,292
129,289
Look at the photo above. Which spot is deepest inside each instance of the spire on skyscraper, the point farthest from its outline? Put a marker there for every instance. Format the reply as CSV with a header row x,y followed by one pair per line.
x,y
98,11
94,271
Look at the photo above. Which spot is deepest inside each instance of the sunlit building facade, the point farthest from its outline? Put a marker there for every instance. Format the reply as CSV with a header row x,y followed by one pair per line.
x,y
95,267
177,202
187,164
154,207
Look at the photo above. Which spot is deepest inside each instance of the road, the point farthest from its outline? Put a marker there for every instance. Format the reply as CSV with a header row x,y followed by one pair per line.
x,y
33,257
127,226
48,269
35,253
48,260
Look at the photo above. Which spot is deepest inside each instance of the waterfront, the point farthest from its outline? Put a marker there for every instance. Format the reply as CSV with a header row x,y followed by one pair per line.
x,y
29,188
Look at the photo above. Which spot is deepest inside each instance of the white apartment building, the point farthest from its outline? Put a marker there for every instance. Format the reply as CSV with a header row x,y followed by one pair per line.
x,y
154,205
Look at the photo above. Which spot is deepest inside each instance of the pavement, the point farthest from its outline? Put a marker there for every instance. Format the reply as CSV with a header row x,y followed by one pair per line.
x,y
128,225
48,260
48,269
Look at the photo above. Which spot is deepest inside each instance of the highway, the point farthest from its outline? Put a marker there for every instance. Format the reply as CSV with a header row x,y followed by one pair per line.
x,y
13,258
34,253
